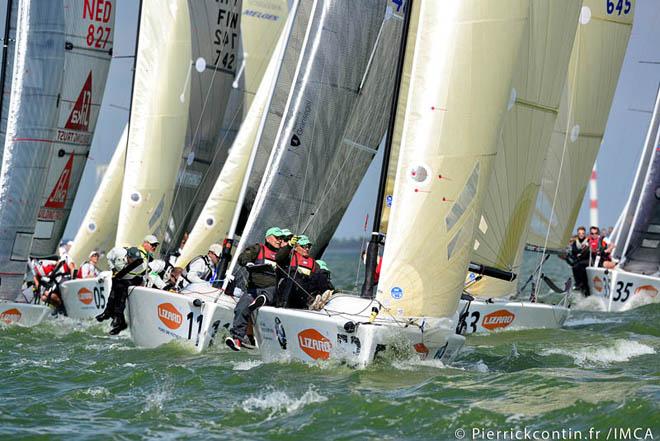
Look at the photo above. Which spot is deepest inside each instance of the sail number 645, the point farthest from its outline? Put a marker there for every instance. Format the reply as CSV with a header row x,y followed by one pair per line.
x,y
621,6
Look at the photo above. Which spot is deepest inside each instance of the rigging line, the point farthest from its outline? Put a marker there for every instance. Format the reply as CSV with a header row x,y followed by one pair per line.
x,y
218,144
561,163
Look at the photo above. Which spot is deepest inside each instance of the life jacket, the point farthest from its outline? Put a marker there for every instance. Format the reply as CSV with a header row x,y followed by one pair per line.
x,y
597,245
209,270
266,255
142,269
303,265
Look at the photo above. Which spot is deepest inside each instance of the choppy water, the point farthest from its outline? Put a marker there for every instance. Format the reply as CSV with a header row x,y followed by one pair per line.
x,y
67,380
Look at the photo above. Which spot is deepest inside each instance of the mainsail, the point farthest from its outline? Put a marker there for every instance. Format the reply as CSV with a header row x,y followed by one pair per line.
x,y
639,239
523,144
99,227
88,43
463,58
217,57
158,122
7,67
31,121
593,72
301,152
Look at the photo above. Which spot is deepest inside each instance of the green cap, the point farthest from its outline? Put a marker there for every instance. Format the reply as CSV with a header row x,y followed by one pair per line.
x,y
303,240
323,265
274,231
286,232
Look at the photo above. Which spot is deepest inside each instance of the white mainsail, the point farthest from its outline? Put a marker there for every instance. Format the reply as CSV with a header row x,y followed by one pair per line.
x,y
523,144
158,122
31,121
593,72
89,41
464,55
99,227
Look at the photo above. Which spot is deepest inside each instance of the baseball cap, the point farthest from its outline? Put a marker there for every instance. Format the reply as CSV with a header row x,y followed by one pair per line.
x,y
216,249
303,240
133,253
274,231
286,232
323,265
151,239
94,253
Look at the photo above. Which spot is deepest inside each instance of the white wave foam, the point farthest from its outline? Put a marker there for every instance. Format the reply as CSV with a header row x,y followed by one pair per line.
x,y
619,351
414,363
277,401
247,365
97,392
584,321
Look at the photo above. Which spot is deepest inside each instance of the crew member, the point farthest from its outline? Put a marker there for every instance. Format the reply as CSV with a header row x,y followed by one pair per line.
x,y
203,268
298,267
578,258
320,286
132,274
89,269
259,260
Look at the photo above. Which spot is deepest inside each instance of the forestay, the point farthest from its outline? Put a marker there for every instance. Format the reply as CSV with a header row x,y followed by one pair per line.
x,y
593,72
158,122
305,140
523,144
463,57
31,121
89,29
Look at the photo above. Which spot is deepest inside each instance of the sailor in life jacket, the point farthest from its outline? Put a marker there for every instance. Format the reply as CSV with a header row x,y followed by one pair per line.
x,y
259,260
298,267
88,269
202,269
129,268
599,250
47,276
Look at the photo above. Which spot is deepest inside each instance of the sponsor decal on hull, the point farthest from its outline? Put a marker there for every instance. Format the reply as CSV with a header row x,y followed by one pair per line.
x,y
85,296
646,290
598,283
314,344
170,316
498,319
10,316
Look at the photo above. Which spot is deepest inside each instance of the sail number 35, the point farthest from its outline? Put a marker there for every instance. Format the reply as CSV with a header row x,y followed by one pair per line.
x,y
620,6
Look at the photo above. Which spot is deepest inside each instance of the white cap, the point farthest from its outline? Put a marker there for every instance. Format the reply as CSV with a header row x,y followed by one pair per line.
x,y
216,249
151,239
94,252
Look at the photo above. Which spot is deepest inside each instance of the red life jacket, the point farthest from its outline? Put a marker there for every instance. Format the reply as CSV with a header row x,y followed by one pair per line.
x,y
266,255
304,265
597,244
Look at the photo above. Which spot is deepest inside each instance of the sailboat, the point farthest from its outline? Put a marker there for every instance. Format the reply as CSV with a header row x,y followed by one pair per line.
x,y
203,80
635,281
32,74
89,41
600,46
249,160
512,192
451,120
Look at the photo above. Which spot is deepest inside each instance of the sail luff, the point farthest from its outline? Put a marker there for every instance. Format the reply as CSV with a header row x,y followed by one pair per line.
x,y
460,79
158,121
220,214
524,141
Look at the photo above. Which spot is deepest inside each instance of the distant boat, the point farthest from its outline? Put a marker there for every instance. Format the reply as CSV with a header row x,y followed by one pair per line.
x,y
635,281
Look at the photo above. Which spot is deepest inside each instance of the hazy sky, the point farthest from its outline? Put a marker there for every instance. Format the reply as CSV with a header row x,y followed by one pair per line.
x,y
617,160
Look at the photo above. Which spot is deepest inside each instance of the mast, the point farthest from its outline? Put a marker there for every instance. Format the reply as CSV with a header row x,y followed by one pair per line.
x,y
374,243
5,46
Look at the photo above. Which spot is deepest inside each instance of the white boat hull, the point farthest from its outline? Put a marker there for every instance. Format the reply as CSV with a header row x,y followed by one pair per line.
x,y
86,298
619,290
308,336
22,314
504,315
158,317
